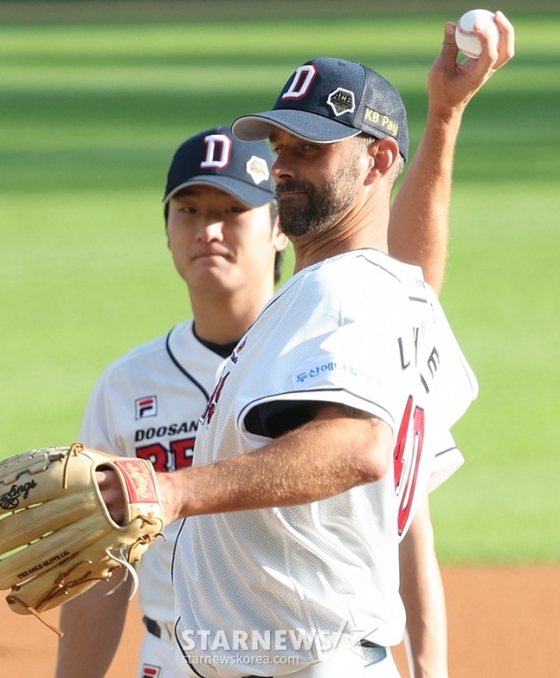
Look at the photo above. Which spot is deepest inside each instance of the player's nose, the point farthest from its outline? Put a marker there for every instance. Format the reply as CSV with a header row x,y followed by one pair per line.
x,y
283,167
211,230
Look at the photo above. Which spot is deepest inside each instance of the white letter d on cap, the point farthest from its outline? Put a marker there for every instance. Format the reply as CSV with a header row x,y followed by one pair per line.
x,y
301,83
218,151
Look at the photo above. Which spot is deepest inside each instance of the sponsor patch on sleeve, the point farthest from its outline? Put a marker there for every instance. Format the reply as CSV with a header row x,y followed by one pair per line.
x,y
332,371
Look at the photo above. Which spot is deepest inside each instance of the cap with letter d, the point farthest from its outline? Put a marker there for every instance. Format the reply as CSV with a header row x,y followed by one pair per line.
x,y
216,158
328,100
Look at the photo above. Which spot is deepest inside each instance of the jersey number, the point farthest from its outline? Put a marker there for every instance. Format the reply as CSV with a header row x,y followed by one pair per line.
x,y
179,455
411,435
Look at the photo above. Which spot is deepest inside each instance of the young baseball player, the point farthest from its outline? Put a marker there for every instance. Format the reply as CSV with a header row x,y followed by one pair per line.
x,y
146,404
225,242
329,420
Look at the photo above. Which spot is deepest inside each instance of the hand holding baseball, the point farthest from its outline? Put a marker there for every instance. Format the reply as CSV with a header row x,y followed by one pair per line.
x,y
466,31
451,84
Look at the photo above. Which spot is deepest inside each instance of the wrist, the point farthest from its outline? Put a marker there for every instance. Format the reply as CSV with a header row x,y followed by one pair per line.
x,y
169,491
446,115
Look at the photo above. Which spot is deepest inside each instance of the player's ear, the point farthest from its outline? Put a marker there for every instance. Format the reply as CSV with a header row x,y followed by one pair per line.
x,y
382,155
279,237
166,222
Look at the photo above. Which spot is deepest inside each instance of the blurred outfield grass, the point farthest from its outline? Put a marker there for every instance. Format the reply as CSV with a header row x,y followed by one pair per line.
x,y
90,115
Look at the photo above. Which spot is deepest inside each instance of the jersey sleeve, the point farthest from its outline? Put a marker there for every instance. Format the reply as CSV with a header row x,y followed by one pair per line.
x,y
446,460
337,348
96,430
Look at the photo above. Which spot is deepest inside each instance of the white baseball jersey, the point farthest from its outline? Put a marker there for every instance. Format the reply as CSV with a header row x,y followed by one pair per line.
x,y
360,329
148,404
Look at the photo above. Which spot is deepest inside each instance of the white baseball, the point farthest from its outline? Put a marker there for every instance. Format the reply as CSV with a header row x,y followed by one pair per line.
x,y
465,36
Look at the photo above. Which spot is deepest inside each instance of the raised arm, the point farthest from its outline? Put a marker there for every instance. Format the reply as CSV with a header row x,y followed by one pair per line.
x,y
419,235
419,225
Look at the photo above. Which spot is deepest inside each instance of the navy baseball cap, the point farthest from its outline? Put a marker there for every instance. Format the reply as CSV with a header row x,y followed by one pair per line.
x,y
328,100
217,158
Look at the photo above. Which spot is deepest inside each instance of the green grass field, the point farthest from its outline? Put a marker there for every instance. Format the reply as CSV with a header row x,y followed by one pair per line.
x,y
90,115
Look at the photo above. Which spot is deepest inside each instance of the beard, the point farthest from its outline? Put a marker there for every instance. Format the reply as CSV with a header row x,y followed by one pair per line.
x,y
325,204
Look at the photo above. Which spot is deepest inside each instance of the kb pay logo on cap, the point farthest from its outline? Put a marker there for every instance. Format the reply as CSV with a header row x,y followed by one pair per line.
x,y
384,121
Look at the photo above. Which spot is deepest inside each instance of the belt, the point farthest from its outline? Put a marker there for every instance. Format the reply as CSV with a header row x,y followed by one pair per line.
x,y
162,631
152,626
373,653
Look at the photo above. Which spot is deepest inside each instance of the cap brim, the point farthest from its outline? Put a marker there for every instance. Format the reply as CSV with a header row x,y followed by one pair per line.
x,y
252,196
303,124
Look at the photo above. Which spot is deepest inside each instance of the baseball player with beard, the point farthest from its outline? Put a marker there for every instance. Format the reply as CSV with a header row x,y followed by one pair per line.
x,y
330,419
146,404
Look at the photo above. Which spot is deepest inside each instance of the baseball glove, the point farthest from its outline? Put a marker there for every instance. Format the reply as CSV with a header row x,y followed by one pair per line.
x,y
57,538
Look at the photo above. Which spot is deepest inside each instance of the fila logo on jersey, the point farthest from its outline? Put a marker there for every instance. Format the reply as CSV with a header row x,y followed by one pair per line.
x,y
150,671
146,407
218,151
301,83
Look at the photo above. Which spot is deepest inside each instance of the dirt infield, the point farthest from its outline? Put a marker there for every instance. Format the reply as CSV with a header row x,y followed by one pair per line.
x,y
503,623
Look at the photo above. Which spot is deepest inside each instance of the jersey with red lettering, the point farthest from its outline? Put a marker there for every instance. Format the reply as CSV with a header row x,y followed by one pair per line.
x,y
148,404
361,330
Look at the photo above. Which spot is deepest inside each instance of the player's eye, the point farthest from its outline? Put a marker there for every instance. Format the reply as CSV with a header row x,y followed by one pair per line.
x,y
235,209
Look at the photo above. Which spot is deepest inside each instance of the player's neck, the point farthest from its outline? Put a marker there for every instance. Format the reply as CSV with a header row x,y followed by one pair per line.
x,y
222,319
364,229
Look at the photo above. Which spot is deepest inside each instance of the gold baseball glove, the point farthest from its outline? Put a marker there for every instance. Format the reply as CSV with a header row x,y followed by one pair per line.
x,y
57,538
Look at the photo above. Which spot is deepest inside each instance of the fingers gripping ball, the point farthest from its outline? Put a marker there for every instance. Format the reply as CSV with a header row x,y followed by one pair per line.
x,y
465,37
57,538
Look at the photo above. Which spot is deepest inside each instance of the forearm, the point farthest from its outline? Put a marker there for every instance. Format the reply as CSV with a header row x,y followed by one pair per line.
x,y
92,625
418,232
423,596
318,460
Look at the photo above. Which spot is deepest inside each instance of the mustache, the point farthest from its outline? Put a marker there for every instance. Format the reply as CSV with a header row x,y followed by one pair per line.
x,y
291,185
